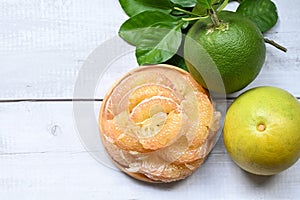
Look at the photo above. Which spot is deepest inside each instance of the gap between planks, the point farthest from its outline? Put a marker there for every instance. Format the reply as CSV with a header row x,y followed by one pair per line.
x,y
71,100
48,100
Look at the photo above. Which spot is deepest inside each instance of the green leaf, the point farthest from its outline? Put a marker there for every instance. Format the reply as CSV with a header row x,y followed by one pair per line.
x,y
161,42
217,5
156,35
177,61
262,12
133,30
200,10
206,4
185,3
134,7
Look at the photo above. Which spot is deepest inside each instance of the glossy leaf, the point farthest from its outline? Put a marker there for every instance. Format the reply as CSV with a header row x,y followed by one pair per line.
x,y
185,3
133,30
161,42
177,61
199,10
262,12
134,7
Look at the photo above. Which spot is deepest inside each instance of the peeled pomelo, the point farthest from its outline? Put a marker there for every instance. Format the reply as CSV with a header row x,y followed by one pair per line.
x,y
158,124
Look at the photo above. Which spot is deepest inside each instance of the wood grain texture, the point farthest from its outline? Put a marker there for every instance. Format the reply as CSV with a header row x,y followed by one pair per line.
x,y
42,158
43,46
45,43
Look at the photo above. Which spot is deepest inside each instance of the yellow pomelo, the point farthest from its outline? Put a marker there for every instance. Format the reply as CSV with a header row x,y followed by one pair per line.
x,y
262,130
227,58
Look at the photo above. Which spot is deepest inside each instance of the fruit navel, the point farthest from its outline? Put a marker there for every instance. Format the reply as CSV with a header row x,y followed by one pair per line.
x,y
261,127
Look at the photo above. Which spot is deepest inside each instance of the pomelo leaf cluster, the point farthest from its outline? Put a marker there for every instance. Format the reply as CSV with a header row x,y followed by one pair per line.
x,y
157,28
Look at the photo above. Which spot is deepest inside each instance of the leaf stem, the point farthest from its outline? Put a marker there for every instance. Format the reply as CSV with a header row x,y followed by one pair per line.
x,y
186,12
223,5
273,43
193,18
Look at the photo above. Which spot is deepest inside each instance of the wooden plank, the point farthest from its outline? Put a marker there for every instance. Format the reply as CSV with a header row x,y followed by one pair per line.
x,y
44,45
77,176
42,157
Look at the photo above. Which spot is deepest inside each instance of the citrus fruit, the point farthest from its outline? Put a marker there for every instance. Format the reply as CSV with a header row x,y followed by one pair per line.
x,y
230,55
157,123
262,130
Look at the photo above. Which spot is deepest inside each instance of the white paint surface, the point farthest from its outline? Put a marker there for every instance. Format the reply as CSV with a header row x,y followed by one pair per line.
x,y
43,45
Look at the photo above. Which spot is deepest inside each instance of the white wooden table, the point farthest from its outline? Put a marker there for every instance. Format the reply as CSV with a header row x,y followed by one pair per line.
x,y
43,46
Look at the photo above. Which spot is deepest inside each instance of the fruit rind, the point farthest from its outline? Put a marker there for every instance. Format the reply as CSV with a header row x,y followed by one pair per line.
x,y
272,150
226,60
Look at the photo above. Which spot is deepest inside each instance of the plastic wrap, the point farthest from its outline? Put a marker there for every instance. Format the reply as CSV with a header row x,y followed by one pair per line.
x,y
158,124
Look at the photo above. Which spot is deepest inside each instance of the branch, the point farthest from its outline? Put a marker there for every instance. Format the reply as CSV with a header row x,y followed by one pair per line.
x,y
278,46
